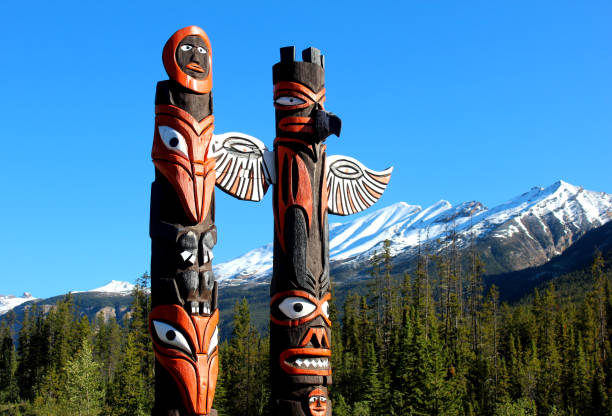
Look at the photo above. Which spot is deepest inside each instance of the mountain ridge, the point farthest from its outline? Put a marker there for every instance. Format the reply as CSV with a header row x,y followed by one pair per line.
x,y
549,218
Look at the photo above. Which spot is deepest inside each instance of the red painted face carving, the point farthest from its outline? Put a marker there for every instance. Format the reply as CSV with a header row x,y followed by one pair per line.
x,y
317,402
290,96
186,346
173,57
296,308
180,148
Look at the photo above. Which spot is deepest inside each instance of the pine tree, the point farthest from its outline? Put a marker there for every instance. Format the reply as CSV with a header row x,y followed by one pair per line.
x,y
127,392
83,391
8,361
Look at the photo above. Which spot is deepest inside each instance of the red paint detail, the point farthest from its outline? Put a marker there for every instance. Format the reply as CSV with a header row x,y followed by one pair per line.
x,y
194,67
296,124
195,375
288,86
174,70
193,175
303,198
312,352
319,333
300,293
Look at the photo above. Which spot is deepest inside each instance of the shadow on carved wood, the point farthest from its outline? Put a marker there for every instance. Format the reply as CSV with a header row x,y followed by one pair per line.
x,y
307,186
189,161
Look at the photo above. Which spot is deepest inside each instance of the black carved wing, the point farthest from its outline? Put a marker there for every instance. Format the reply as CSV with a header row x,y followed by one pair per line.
x,y
351,186
240,167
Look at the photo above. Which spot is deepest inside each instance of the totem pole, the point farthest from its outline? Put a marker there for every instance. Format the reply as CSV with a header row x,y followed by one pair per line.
x,y
308,186
184,316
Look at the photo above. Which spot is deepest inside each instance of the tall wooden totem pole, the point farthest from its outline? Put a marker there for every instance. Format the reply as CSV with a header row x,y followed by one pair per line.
x,y
189,161
184,316
308,186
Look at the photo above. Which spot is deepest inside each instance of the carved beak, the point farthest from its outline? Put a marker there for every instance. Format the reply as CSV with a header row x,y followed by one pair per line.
x,y
326,124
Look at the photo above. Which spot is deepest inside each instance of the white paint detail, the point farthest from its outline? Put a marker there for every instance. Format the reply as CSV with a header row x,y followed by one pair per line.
x,y
214,340
162,330
289,305
289,100
167,135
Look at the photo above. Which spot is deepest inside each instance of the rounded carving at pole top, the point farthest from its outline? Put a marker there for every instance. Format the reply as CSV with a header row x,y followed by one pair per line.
x,y
187,58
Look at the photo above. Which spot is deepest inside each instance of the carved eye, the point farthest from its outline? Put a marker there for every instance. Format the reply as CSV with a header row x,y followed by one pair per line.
x,y
173,139
295,307
171,336
325,308
186,48
201,49
214,340
288,100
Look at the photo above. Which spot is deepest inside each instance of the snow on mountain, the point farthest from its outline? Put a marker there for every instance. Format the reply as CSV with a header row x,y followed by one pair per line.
x,y
554,213
9,302
115,286
251,266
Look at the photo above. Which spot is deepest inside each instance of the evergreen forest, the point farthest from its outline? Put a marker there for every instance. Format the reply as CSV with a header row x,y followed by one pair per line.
x,y
436,341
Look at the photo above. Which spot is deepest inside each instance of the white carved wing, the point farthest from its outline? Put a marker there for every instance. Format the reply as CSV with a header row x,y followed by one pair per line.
x,y
351,186
240,166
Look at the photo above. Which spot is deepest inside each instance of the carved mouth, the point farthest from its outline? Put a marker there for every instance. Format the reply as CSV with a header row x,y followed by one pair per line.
x,y
194,67
306,361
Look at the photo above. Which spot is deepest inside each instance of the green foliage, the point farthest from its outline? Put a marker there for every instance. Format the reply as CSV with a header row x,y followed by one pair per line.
x,y
434,343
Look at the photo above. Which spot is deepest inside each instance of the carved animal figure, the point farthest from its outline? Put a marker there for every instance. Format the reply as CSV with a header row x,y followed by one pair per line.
x,y
307,186
187,157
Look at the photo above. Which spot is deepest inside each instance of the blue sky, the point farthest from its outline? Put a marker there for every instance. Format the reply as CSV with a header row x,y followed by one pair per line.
x,y
468,100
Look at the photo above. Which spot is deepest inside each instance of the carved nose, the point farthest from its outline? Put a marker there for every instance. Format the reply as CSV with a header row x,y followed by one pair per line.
x,y
317,337
326,124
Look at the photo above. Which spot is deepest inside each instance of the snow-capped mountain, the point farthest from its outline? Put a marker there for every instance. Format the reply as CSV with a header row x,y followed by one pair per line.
x,y
9,302
115,286
525,231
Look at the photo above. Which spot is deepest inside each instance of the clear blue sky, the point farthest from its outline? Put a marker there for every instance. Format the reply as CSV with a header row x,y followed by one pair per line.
x,y
468,100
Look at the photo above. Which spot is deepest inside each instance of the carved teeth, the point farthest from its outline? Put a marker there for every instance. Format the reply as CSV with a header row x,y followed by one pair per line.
x,y
312,362
188,256
195,307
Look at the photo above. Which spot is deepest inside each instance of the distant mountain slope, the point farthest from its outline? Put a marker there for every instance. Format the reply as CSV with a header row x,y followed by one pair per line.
x,y
577,258
8,302
525,231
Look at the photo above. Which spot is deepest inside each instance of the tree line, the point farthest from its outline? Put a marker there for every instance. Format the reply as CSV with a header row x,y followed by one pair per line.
x,y
431,343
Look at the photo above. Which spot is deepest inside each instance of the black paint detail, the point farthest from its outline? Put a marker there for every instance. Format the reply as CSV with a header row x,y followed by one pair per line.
x,y
312,55
174,142
173,93
287,54
190,280
171,335
188,241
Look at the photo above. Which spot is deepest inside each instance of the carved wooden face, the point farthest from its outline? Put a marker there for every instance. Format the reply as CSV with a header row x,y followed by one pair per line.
x,y
180,148
317,402
295,106
192,57
303,321
299,97
187,59
186,346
